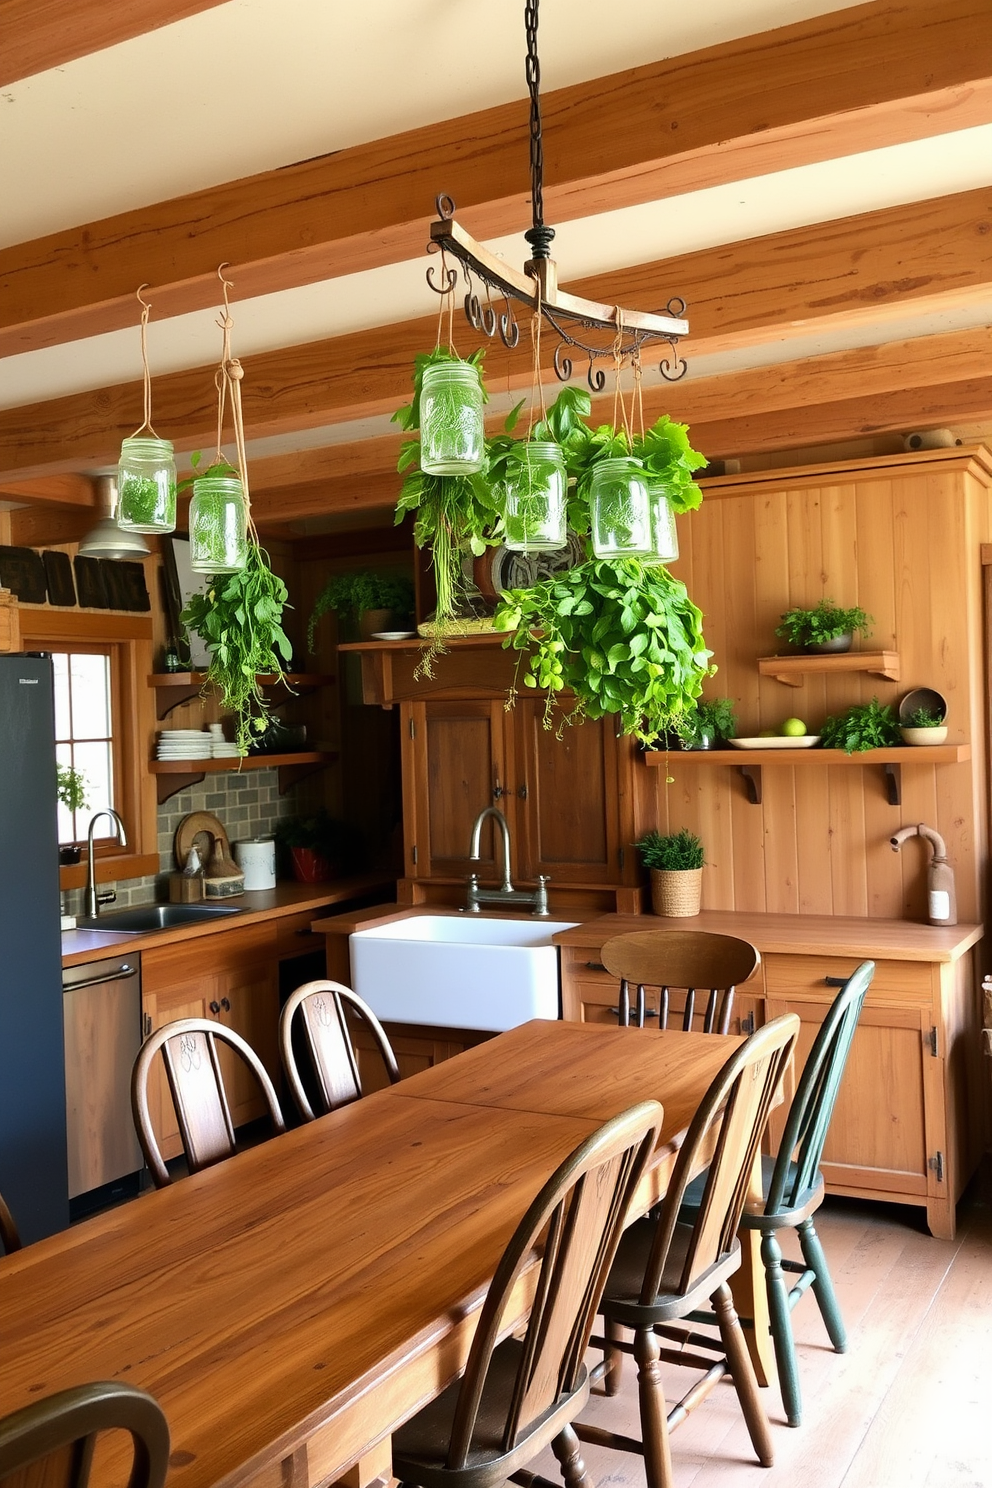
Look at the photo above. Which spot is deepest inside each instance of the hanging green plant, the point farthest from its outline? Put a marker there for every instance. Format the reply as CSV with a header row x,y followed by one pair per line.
x,y
621,637
351,593
240,619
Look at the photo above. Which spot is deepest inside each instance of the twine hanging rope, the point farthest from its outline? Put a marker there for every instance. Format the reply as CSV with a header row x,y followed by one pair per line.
x,y
638,370
228,379
618,361
537,386
146,311
447,303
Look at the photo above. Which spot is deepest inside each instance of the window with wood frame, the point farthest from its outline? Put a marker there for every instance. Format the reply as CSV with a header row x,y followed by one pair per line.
x,y
87,734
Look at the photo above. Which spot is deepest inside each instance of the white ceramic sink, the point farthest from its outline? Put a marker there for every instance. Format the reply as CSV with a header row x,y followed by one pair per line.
x,y
459,971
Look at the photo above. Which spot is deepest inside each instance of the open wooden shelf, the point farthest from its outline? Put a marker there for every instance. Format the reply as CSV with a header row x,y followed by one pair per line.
x,y
190,684
750,762
177,775
417,643
792,669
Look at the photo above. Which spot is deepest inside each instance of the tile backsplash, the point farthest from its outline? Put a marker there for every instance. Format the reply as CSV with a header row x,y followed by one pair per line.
x,y
249,805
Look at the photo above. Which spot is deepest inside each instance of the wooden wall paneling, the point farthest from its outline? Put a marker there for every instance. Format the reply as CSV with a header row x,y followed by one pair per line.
x,y
741,643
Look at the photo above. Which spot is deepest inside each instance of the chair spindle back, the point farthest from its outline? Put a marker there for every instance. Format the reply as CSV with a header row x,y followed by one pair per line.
x,y
726,1129
694,960
322,1014
581,1212
50,1444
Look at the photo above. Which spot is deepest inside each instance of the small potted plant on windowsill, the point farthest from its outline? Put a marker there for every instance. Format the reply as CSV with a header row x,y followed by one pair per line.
x,y
71,792
825,628
675,864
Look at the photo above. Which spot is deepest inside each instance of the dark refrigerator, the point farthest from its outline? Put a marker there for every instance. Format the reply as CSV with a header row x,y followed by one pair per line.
x,y
33,1176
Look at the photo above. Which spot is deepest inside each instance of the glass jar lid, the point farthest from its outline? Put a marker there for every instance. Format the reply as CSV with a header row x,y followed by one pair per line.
x,y
145,447
458,372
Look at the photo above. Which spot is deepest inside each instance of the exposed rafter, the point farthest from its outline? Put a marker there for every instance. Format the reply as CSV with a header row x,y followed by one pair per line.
x,y
38,34
860,270
871,75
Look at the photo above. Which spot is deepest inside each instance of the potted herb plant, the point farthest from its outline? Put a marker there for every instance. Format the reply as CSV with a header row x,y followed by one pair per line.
x,y
711,722
315,848
376,600
675,863
826,627
71,793
923,726
864,726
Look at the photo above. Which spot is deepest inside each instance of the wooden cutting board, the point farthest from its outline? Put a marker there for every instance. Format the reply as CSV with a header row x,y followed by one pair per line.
x,y
204,829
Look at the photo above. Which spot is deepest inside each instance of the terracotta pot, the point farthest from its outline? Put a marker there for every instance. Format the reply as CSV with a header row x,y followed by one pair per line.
x,y
676,893
309,866
371,621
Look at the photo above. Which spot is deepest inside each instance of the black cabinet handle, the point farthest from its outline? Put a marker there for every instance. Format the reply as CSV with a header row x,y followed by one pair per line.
x,y
225,1004
835,981
595,966
214,1007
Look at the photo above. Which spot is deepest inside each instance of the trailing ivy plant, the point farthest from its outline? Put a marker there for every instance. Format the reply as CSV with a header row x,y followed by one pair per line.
x,y
624,639
864,726
240,619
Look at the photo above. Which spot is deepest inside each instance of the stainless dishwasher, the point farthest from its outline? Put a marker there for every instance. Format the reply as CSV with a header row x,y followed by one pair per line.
x,y
101,1004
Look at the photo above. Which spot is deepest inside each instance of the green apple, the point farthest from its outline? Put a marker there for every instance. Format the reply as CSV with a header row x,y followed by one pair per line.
x,y
793,728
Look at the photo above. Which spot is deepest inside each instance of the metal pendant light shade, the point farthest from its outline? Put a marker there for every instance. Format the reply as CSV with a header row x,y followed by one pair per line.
x,y
106,539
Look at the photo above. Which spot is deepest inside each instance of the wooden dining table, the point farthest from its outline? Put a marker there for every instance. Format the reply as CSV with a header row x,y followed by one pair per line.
x,y
290,1307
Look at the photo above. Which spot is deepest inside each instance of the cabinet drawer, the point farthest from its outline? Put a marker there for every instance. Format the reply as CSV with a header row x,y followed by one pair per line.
x,y
803,976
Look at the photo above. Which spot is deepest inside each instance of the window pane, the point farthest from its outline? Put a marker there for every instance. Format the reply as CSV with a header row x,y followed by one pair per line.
x,y
63,723
94,762
66,822
90,683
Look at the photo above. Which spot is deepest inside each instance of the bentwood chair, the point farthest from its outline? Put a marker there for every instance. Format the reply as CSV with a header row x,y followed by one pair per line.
x,y
519,1396
50,1444
665,1269
10,1239
792,1188
192,1067
693,960
322,1008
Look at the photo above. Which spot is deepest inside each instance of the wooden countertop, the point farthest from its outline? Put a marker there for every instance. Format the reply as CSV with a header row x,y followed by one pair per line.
x,y
79,946
817,935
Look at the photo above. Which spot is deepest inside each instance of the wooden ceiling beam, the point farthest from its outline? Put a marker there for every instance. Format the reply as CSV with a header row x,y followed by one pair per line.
x,y
864,270
39,34
59,490
855,79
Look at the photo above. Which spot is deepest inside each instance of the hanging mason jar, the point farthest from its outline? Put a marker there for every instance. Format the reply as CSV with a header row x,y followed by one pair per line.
x,y
218,525
664,535
535,499
452,438
621,510
146,485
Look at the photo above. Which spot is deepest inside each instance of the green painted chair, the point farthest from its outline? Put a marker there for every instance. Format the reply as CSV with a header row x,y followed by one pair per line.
x,y
793,1190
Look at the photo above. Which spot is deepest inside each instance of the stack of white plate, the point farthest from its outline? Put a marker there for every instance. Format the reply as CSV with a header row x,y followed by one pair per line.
x,y
180,744
220,749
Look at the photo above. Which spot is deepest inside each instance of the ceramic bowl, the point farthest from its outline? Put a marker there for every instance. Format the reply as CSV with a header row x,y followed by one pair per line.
x,y
924,735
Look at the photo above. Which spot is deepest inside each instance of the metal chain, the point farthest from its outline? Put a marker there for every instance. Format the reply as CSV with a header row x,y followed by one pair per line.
x,y
533,75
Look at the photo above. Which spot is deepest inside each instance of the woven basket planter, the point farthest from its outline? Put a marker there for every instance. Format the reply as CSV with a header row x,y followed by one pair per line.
x,y
676,893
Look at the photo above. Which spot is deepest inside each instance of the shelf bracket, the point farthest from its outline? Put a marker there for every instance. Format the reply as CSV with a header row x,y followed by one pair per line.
x,y
752,782
893,784
171,785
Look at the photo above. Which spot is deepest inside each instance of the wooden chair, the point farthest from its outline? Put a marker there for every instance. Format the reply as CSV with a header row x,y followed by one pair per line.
x,y
792,1188
690,959
50,1444
192,1066
332,1055
10,1239
665,1269
518,1396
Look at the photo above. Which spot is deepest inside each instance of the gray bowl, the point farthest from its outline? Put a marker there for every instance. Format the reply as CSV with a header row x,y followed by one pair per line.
x,y
922,697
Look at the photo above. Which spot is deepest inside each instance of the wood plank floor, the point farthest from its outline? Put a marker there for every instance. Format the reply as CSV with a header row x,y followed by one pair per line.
x,y
908,1406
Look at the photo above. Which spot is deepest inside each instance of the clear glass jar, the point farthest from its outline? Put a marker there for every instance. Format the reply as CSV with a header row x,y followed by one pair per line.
x,y
663,531
146,486
534,521
621,510
218,525
452,438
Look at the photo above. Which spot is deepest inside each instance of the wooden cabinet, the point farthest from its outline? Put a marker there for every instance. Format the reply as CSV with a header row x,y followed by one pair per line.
x,y
908,1125
590,995
561,796
231,978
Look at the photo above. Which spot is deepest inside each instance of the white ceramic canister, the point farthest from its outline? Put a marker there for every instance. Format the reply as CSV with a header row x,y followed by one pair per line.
x,y
256,857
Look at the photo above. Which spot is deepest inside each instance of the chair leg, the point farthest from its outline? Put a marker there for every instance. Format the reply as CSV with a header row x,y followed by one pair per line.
x,y
568,1450
780,1316
654,1413
614,1357
823,1287
732,1337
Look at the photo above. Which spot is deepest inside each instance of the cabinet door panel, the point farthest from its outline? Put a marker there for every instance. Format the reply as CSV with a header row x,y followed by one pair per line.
x,y
459,768
878,1138
568,820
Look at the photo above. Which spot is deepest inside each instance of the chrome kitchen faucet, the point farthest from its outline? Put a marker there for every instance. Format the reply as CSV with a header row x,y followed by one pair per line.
x,y
506,893
93,899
